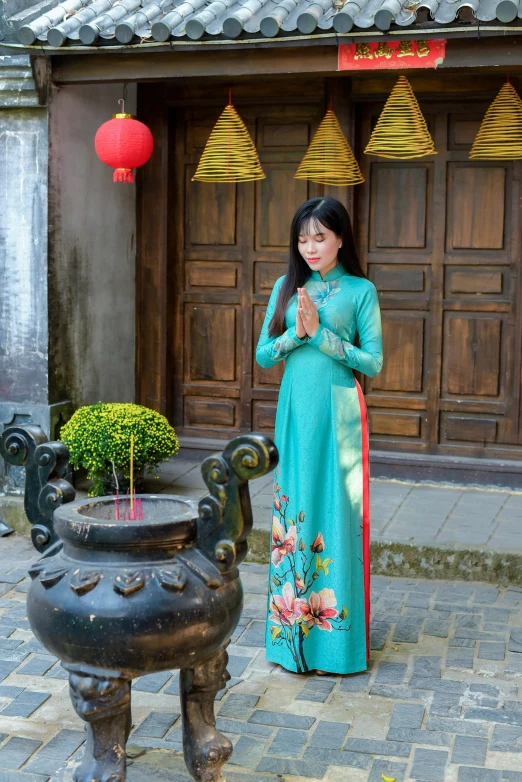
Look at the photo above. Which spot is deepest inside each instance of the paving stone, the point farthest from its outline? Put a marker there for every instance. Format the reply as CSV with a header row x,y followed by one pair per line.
x,y
497,615
236,665
375,747
57,673
478,635
398,693
280,720
469,750
511,776
463,643
429,765
390,673
506,738
311,769
21,776
25,704
254,635
436,627
378,639
358,682
515,641
329,735
338,758
157,724
56,752
152,682
439,685
389,769
7,691
427,666
494,715
36,666
417,601
446,705
489,651
467,774
17,751
248,752
486,595
243,728
407,631
239,706
460,658
406,716
412,736
467,620
288,743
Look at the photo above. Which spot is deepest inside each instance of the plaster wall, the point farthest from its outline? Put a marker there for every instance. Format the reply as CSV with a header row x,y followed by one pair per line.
x,y
91,254
23,255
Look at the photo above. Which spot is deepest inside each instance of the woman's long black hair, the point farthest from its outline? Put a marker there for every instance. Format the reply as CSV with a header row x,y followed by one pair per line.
x,y
333,215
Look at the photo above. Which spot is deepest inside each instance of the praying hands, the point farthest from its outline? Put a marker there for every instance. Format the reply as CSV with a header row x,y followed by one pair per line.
x,y
307,319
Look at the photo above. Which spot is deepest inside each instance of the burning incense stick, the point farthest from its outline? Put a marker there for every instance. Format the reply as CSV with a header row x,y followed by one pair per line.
x,y
117,502
132,477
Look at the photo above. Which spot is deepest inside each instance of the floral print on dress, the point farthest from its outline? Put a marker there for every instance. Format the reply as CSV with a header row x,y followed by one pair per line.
x,y
336,347
298,601
323,292
284,345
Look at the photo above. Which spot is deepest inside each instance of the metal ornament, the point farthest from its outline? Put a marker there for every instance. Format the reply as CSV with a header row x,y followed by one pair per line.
x,y
116,599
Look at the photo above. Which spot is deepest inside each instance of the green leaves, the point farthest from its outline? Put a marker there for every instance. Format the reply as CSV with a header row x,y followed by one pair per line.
x,y
322,566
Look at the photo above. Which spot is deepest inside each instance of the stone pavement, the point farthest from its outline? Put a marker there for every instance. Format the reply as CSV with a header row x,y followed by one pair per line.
x,y
441,702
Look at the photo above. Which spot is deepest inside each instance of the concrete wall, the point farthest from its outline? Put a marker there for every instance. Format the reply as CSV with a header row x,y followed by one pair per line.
x,y
23,236
92,243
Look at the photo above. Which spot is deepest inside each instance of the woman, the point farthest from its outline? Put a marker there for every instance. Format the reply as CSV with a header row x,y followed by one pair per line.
x,y
319,587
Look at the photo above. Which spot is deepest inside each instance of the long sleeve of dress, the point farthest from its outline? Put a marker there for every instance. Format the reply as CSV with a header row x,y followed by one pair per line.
x,y
271,350
366,359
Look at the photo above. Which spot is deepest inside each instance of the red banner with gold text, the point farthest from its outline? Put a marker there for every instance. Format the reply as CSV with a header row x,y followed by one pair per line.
x,y
388,55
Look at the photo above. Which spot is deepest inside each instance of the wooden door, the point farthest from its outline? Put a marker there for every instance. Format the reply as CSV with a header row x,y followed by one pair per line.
x,y
231,245
441,239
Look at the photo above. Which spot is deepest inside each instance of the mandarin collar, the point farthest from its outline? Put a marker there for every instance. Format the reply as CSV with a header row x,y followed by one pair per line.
x,y
334,274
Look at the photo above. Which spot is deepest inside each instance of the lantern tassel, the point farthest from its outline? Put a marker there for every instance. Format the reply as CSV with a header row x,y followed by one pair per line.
x,y
123,175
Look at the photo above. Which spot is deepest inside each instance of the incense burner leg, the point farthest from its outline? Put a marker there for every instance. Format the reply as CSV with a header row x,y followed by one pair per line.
x,y
103,700
205,748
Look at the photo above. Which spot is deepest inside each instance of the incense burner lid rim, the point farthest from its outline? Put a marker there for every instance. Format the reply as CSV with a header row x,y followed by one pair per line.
x,y
81,529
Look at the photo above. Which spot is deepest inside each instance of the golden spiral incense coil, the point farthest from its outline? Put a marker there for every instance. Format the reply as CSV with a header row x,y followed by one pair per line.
x,y
329,159
500,134
401,131
229,154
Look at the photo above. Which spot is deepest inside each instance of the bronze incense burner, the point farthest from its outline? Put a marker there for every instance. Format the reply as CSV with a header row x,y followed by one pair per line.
x,y
118,599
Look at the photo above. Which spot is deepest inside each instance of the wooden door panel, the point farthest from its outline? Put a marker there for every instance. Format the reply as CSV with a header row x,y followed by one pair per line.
x,y
205,275
203,412
399,216
393,424
266,274
263,416
211,354
483,283
264,377
476,207
210,212
403,347
472,355
277,199
468,429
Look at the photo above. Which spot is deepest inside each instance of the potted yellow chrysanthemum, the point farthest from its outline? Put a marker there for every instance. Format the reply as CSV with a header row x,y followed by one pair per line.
x,y
99,439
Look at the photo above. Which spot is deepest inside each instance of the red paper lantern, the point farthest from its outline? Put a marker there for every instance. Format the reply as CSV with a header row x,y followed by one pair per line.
x,y
123,143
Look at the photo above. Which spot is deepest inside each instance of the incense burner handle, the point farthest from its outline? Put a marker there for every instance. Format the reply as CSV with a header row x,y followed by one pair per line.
x,y
46,489
225,514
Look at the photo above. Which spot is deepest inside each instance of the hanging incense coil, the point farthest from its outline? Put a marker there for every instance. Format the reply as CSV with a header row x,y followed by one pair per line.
x,y
229,154
500,134
401,131
329,159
